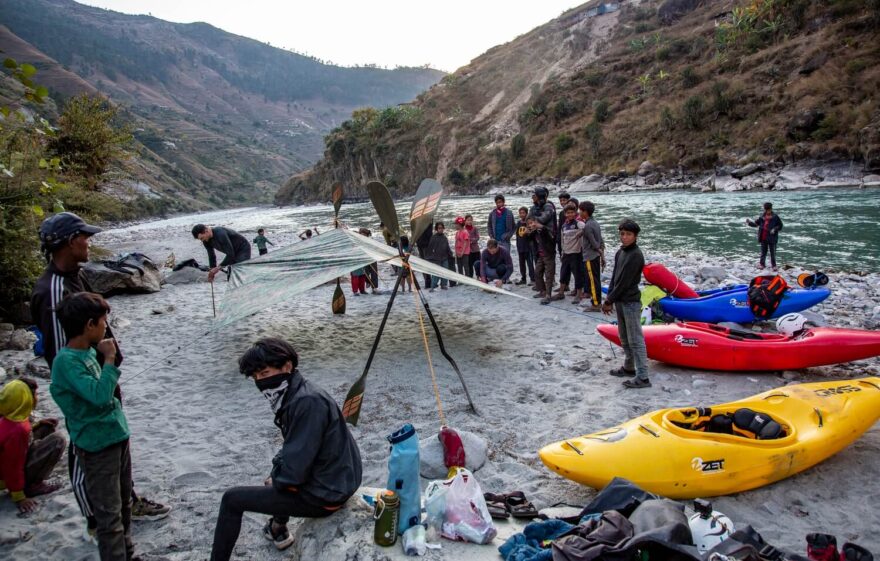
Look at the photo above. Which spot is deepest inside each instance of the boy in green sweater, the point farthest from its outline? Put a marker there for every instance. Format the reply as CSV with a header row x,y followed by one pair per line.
x,y
261,242
83,390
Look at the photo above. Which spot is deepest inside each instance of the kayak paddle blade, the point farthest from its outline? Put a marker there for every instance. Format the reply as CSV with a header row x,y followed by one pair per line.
x,y
424,206
351,408
338,299
384,205
337,198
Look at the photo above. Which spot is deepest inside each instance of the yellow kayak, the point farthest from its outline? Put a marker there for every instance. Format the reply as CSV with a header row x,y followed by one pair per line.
x,y
704,452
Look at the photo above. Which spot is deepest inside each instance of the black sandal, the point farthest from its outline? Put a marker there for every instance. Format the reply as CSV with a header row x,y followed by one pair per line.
x,y
622,372
496,505
519,506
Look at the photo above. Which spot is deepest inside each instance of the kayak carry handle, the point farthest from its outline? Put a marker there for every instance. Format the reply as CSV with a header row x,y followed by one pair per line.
x,y
818,414
876,387
780,394
649,431
573,447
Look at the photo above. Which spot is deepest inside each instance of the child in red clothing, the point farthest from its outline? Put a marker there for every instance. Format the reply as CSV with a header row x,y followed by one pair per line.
x,y
24,465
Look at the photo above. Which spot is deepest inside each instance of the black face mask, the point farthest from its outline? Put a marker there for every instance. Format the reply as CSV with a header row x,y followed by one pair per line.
x,y
274,388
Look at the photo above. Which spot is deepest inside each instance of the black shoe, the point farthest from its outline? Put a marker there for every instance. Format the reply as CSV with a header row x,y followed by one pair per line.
x,y
281,537
636,383
622,372
521,282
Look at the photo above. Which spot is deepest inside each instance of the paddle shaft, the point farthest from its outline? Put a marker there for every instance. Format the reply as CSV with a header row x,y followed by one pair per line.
x,y
440,344
352,406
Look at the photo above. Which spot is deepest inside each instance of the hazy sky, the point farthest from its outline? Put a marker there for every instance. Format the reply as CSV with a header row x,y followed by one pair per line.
x,y
446,34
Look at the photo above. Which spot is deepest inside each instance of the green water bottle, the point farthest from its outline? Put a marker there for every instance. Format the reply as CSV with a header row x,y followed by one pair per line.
x,y
386,515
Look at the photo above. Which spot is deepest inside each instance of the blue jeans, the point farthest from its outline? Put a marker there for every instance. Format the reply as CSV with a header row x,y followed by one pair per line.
x,y
435,280
629,327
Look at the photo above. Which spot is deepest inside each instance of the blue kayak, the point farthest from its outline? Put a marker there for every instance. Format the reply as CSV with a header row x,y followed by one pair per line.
x,y
730,304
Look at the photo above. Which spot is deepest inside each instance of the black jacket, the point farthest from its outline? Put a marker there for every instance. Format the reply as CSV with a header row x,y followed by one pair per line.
x,y
624,285
229,242
524,242
438,249
52,286
773,227
545,214
319,457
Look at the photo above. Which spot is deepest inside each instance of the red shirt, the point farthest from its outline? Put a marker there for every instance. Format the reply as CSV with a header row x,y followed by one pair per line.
x,y
14,440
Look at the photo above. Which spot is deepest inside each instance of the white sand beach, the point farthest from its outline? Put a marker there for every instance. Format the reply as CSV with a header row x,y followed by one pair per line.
x,y
536,373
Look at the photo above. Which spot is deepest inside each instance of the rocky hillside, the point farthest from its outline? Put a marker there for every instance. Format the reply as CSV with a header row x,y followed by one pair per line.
x,y
220,119
686,84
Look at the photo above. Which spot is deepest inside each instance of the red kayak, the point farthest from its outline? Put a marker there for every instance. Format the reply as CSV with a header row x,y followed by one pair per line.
x,y
712,347
658,275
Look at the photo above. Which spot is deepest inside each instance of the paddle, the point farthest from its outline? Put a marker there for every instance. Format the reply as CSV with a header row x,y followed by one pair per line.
x,y
381,199
338,302
424,206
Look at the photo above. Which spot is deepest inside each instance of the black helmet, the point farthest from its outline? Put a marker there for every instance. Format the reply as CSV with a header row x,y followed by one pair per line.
x,y
542,192
56,230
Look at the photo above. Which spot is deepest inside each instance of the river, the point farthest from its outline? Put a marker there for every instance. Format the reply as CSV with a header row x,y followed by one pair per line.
x,y
832,230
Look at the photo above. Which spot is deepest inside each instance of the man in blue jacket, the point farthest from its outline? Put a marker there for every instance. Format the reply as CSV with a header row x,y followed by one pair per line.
x,y
318,467
768,224
501,221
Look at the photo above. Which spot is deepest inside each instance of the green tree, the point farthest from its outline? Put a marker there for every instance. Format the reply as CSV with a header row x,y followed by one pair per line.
x,y
88,139
518,146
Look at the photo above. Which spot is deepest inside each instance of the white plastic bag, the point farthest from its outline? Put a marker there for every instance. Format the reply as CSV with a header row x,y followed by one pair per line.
x,y
466,515
435,508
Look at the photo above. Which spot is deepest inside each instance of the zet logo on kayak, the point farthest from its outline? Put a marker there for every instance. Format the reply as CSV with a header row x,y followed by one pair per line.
x,y
846,388
739,304
686,341
707,466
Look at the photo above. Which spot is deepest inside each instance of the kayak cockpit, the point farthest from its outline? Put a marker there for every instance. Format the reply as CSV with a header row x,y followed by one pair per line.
x,y
741,425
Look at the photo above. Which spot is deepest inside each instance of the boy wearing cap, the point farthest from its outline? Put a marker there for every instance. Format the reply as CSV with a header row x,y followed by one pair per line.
x,y
768,224
64,240
624,295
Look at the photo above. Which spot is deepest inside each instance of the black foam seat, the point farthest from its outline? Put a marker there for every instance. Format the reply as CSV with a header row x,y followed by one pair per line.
x,y
761,426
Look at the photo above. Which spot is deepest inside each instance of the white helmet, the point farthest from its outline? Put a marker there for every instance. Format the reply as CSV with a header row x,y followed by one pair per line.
x,y
709,527
790,324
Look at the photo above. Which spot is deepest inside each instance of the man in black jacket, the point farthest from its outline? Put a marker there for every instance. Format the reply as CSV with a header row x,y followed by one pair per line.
x,y
624,295
768,224
225,240
64,240
318,467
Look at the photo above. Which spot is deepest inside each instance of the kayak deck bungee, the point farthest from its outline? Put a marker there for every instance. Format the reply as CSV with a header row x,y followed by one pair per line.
x,y
663,453
713,347
731,304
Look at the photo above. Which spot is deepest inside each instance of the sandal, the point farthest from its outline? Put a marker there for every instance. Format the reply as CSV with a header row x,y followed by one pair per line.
x,y
622,372
519,506
496,505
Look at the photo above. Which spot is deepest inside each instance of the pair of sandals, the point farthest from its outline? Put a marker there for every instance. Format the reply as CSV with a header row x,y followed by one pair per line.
x,y
504,505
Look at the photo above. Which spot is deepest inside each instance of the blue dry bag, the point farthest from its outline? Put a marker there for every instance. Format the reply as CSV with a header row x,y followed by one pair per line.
x,y
403,476
38,344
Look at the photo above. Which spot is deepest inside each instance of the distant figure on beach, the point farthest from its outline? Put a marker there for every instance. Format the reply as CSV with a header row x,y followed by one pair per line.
x,y
64,240
439,253
318,466
260,241
307,234
571,233
564,199
474,235
593,255
501,223
404,246
525,249
462,248
225,240
422,246
495,264
27,454
542,227
768,224
371,271
625,297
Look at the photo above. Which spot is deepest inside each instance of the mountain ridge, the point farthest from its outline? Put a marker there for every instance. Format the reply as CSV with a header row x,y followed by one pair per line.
x,y
687,84
217,112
